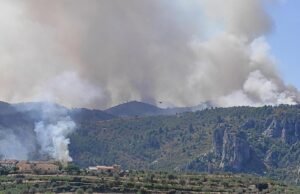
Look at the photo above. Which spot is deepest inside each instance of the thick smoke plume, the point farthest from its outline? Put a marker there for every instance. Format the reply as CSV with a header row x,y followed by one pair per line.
x,y
36,131
98,53
52,132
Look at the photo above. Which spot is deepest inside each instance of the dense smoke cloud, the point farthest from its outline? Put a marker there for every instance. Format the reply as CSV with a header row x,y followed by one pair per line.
x,y
103,52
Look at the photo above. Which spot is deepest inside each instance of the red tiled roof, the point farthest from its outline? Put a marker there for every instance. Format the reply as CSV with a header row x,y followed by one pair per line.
x,y
8,161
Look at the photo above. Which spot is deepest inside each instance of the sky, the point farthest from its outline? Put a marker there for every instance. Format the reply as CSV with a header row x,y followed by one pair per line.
x,y
285,39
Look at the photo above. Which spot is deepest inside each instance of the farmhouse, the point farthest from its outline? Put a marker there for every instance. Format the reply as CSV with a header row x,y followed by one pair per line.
x,y
8,163
114,168
24,167
46,167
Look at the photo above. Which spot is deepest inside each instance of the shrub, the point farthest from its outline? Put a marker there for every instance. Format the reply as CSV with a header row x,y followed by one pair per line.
x,y
79,191
89,190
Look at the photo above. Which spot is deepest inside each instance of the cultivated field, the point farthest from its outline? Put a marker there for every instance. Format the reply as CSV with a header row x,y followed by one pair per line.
x,y
140,182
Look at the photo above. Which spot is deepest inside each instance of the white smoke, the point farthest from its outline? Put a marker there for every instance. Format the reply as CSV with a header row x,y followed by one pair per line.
x,y
42,132
52,138
52,132
259,91
262,85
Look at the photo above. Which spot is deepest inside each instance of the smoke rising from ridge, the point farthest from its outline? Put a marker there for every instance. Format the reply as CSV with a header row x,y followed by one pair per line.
x,y
36,131
52,132
103,52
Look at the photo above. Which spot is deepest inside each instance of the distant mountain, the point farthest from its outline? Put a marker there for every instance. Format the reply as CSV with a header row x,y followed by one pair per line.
x,y
87,115
34,111
6,108
135,108
37,109
178,110
38,106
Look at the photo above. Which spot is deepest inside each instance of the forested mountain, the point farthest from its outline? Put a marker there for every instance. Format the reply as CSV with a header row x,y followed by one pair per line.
x,y
264,141
135,108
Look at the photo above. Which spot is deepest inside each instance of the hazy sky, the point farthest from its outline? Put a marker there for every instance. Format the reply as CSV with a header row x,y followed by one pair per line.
x,y
285,39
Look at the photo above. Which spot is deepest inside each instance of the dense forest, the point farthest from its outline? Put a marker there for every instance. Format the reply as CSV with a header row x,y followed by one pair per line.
x,y
262,141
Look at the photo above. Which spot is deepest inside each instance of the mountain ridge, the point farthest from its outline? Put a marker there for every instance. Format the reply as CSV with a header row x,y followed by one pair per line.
x,y
134,108
137,108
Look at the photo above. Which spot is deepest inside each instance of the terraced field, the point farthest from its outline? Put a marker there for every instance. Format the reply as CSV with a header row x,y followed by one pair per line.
x,y
140,182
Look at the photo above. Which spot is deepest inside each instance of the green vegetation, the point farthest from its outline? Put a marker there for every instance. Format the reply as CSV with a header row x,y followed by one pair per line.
x,y
185,142
263,141
141,182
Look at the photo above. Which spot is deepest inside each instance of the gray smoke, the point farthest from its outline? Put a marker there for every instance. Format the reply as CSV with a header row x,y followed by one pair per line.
x,y
98,53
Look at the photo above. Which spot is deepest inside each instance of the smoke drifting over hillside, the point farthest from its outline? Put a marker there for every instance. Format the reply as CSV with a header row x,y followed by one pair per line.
x,y
13,147
104,52
36,131
52,132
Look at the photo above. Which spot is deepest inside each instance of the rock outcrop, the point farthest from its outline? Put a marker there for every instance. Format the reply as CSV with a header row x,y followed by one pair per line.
x,y
287,130
235,152
218,138
274,130
272,158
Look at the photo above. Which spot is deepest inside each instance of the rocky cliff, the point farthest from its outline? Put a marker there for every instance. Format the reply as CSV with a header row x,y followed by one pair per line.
x,y
288,130
231,153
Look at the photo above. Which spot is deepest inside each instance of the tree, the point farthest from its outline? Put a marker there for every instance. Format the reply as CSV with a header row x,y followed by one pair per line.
x,y
79,191
72,168
116,177
191,128
89,190
182,181
4,171
171,177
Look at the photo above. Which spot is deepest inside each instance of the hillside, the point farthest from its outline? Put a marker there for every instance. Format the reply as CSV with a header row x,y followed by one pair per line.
x,y
6,108
134,108
263,141
18,138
